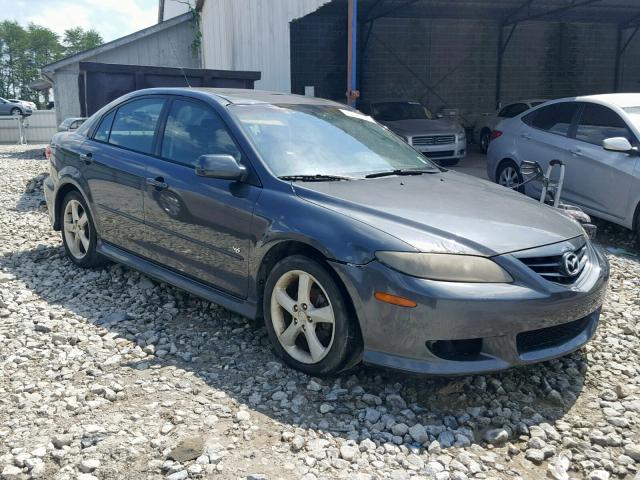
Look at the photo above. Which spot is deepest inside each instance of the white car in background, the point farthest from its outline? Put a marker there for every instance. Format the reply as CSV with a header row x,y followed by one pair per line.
x,y
598,139
26,103
487,122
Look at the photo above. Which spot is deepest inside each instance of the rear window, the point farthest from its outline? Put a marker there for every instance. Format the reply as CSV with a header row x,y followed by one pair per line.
x,y
135,124
554,118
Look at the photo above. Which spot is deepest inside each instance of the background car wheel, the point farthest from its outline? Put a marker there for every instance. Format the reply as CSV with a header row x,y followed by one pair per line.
x,y
79,232
16,111
508,175
308,318
449,163
485,138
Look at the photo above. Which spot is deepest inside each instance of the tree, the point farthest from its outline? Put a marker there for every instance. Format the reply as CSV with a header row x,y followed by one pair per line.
x,y
23,51
13,46
78,40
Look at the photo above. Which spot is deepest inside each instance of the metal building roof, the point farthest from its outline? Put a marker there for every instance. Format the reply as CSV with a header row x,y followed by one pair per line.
x,y
623,12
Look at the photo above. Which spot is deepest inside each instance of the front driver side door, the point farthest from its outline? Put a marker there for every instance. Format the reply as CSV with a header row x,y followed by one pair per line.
x,y
595,178
197,226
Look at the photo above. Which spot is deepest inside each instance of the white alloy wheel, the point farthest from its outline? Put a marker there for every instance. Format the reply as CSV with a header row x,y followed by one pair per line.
x,y
76,229
302,317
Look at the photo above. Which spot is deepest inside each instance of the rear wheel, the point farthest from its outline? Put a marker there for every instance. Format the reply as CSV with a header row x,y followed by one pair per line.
x,y
508,175
307,317
79,232
485,138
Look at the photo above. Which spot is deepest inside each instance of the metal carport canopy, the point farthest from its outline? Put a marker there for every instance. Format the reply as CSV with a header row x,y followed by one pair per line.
x,y
623,13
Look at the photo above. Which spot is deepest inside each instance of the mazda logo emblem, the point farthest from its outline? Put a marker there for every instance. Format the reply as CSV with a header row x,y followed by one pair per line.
x,y
571,264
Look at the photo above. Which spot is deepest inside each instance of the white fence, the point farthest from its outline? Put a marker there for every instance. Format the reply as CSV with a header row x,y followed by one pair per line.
x,y
37,128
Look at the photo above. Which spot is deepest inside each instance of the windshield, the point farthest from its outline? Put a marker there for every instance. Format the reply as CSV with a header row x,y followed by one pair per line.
x,y
634,115
325,140
394,111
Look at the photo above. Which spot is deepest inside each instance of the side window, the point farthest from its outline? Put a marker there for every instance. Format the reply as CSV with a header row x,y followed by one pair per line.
x,y
513,110
102,133
598,123
193,130
135,124
555,118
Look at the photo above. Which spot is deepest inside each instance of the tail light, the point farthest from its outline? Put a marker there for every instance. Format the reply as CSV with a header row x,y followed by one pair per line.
x,y
495,134
47,152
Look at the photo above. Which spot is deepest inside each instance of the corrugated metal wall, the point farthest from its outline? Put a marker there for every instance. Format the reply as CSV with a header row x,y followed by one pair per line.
x,y
252,35
39,127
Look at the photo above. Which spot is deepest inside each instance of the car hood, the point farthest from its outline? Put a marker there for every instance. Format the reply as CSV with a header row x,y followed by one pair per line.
x,y
445,212
422,127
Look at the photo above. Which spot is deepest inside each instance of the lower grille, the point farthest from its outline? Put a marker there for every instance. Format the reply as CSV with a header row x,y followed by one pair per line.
x,y
448,153
433,140
551,336
553,269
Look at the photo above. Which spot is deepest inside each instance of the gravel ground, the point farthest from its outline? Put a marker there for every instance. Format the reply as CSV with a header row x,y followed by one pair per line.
x,y
108,374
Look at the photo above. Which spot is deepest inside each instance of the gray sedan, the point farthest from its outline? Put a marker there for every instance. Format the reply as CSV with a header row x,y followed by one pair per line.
x,y
350,244
11,108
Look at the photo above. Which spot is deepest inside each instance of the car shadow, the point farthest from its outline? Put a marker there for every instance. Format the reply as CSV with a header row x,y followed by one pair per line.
x,y
232,354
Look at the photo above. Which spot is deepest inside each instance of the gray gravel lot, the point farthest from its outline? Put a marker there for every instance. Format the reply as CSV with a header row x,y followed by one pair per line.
x,y
108,374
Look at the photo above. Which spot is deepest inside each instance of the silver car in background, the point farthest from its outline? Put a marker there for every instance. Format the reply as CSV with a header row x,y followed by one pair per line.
x,y
9,108
597,137
488,121
440,139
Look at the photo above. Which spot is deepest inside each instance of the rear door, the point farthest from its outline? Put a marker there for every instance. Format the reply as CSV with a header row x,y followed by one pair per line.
x,y
595,178
116,160
198,226
544,136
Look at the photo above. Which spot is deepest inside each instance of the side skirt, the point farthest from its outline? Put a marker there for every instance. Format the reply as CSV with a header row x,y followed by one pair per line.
x,y
246,308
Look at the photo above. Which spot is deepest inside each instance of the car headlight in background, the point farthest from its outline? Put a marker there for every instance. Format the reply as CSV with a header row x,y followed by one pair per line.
x,y
446,267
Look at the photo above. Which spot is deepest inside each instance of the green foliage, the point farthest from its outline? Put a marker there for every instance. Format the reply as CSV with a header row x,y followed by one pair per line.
x,y
78,40
23,51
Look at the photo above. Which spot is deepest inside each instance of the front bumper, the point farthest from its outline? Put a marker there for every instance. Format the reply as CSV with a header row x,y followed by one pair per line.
x,y
452,151
463,328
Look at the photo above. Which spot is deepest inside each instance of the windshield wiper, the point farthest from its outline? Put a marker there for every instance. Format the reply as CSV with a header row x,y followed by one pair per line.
x,y
402,172
314,178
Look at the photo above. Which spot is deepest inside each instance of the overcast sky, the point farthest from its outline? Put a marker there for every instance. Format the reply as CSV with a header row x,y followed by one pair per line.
x,y
111,18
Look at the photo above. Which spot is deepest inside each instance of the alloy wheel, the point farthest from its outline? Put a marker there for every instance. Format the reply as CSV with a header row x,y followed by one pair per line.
x,y
302,316
509,177
76,229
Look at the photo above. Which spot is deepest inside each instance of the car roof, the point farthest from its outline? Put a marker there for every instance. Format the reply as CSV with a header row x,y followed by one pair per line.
x,y
528,101
622,100
238,96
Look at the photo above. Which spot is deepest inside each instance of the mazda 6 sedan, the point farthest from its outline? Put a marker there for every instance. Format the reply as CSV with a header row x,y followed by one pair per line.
x,y
349,243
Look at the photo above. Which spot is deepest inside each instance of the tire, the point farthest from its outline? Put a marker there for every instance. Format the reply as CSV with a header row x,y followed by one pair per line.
x,y
485,138
79,232
16,111
291,327
508,175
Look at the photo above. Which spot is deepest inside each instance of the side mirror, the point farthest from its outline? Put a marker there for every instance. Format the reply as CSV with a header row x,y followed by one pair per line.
x,y
224,167
530,168
618,144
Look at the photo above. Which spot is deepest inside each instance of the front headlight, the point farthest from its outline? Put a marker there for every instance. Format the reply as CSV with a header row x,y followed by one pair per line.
x,y
446,267
462,135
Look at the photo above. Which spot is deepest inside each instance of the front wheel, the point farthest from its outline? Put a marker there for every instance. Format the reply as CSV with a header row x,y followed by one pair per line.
x,y
508,175
308,317
15,112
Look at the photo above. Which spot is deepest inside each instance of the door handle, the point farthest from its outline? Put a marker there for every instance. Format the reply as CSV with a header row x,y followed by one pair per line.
x,y
577,152
525,136
87,158
158,183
